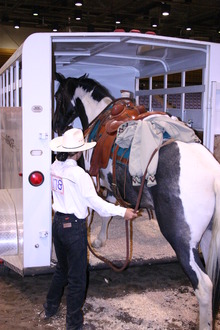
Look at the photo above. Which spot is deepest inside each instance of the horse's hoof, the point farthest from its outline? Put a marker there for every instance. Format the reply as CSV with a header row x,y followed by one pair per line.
x,y
97,244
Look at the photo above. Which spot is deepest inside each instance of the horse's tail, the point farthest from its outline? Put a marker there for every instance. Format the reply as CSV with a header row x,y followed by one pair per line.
x,y
213,264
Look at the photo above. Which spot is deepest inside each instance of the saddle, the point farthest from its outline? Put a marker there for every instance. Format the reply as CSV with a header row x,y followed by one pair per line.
x,y
104,130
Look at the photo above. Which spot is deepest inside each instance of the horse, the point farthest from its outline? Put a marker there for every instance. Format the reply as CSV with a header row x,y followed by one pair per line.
x,y
186,198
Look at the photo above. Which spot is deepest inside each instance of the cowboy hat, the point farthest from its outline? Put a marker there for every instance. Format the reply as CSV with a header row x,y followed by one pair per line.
x,y
71,141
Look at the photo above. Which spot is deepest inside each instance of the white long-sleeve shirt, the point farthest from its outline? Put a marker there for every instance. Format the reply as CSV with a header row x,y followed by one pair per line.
x,y
74,191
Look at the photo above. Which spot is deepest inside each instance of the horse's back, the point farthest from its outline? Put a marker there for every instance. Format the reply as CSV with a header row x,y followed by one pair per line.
x,y
196,154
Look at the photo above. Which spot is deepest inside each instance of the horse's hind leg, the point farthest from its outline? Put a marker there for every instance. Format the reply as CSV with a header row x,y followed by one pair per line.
x,y
189,258
185,242
184,212
203,289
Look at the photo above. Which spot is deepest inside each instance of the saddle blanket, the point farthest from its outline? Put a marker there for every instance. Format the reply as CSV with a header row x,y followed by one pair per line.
x,y
144,136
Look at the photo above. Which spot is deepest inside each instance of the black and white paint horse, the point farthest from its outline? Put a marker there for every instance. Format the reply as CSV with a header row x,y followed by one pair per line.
x,y
186,198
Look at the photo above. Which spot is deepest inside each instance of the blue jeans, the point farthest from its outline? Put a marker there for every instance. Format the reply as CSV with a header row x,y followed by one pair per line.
x,y
70,241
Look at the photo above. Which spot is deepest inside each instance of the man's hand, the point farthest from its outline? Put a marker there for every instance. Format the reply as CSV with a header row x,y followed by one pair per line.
x,y
130,214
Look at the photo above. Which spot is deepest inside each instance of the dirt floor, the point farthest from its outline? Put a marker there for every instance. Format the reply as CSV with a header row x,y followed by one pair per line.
x,y
147,297
149,294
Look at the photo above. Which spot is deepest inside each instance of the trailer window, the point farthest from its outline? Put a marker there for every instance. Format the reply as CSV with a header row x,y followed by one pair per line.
x,y
193,78
193,101
158,82
174,80
174,101
144,84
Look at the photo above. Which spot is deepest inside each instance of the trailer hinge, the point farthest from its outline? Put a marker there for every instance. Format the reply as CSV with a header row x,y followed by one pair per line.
x,y
43,136
43,234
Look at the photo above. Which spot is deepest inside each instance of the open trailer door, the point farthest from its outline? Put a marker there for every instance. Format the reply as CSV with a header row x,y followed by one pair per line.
x,y
214,120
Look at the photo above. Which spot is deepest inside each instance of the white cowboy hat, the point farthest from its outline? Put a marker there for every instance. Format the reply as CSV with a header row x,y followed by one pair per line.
x,y
71,141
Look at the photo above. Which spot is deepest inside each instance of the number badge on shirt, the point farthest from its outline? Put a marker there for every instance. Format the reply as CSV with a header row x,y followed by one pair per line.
x,y
57,184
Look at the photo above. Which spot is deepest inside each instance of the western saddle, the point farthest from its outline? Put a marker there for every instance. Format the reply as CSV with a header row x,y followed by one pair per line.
x,y
104,130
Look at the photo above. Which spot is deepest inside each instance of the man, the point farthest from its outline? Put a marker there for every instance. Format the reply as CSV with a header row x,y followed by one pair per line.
x,y
73,194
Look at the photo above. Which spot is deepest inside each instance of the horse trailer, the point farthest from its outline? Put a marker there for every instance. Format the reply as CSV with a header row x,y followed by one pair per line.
x,y
179,76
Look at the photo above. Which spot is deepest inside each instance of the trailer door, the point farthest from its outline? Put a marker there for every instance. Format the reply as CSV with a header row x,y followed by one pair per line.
x,y
214,117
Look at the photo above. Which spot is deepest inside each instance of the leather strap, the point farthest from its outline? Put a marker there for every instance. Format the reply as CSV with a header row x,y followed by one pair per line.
x,y
114,180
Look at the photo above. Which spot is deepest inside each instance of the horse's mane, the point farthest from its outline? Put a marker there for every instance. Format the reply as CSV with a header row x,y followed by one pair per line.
x,y
99,91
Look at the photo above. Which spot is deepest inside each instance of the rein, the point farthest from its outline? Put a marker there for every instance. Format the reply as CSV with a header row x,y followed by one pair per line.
x,y
127,260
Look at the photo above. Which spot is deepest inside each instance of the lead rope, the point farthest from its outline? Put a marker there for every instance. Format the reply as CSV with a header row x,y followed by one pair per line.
x,y
127,260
